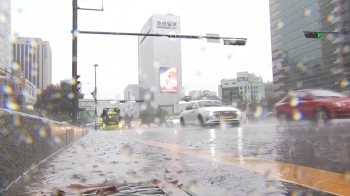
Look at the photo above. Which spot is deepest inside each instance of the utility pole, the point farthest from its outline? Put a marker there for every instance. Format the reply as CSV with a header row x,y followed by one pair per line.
x,y
75,58
75,62
95,97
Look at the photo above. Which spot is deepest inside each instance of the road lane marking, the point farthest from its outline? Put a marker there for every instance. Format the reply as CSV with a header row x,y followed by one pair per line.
x,y
330,182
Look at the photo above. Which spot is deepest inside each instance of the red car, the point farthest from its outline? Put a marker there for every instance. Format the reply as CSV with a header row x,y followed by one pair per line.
x,y
312,104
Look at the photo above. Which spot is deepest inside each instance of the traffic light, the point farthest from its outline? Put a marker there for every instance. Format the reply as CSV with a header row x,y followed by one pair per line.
x,y
187,98
78,83
235,42
312,34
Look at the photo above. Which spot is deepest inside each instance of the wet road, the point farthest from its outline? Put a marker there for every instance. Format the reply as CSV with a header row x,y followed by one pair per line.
x,y
232,161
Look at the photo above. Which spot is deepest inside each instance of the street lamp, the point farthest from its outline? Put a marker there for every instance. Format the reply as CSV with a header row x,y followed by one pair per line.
x,y
95,97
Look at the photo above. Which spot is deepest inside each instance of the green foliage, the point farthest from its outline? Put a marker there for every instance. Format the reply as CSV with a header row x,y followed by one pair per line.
x,y
84,119
160,114
55,102
254,103
242,103
128,118
146,118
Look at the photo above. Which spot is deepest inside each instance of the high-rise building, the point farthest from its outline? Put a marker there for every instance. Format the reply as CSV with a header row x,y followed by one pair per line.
x,y
5,34
34,59
160,70
299,62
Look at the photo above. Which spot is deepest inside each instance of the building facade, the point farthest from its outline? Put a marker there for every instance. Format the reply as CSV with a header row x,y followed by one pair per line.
x,y
246,86
23,93
299,62
89,104
159,63
269,90
131,93
198,94
5,34
33,58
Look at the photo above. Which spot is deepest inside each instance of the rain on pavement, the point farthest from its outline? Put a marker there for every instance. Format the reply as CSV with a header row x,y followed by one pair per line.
x,y
218,161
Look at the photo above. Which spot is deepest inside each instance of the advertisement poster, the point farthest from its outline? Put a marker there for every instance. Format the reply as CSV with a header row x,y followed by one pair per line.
x,y
242,77
168,79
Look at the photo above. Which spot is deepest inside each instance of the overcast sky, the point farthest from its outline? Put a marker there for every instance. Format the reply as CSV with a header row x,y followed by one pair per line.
x,y
204,64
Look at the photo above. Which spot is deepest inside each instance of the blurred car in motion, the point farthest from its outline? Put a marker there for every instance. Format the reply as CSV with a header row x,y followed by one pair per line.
x,y
319,105
152,126
209,113
144,126
173,121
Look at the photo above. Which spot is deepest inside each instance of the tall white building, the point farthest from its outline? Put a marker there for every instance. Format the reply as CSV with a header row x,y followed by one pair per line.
x,y
5,34
246,84
34,59
160,69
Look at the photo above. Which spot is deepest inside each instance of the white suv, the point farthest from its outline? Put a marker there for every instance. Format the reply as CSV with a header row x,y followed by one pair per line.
x,y
209,113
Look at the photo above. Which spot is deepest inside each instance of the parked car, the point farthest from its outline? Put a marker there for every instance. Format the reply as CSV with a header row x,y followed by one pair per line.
x,y
152,126
209,113
312,104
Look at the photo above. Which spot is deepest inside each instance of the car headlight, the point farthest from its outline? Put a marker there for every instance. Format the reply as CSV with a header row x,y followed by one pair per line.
x,y
338,104
208,112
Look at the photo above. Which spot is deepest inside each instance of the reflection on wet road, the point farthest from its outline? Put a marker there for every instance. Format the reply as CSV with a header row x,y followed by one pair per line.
x,y
234,161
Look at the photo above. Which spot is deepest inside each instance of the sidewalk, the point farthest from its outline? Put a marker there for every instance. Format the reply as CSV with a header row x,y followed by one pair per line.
x,y
105,158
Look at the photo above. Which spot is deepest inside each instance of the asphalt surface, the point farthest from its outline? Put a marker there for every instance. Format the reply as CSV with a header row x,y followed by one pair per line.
x,y
215,161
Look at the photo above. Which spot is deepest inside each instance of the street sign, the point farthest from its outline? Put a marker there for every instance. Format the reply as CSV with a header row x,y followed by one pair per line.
x,y
213,40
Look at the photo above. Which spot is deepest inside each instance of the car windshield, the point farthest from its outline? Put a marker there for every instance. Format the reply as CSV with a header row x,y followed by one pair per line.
x,y
319,94
210,104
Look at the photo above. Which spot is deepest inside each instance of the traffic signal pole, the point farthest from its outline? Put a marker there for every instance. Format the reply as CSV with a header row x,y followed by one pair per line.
x,y
227,40
75,58
75,63
319,34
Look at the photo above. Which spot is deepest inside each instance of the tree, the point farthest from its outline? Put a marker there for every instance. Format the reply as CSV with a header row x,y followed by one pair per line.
x,y
146,118
84,118
269,102
56,102
253,104
161,114
242,103
126,118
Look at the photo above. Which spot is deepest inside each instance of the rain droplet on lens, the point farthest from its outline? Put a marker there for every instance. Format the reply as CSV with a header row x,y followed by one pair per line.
x,y
126,150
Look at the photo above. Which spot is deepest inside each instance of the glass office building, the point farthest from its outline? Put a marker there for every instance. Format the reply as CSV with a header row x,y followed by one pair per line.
x,y
298,62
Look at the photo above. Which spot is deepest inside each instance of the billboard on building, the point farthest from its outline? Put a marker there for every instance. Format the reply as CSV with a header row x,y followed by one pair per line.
x,y
242,76
168,79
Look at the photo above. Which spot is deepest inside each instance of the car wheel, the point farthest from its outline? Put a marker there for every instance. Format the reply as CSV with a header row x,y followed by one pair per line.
x,y
282,118
182,122
321,115
201,122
